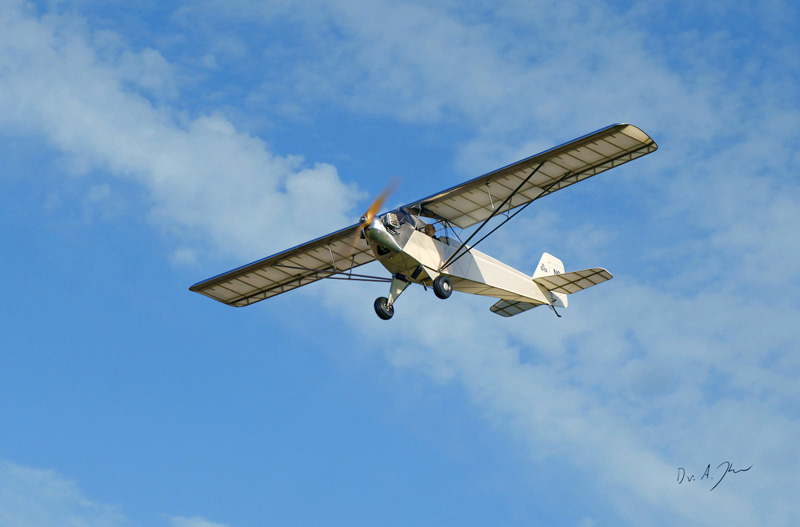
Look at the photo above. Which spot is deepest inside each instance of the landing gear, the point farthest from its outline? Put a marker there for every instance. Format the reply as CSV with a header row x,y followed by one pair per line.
x,y
442,286
383,308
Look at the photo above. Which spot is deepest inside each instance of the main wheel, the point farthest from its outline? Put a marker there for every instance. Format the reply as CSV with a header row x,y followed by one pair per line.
x,y
383,309
442,286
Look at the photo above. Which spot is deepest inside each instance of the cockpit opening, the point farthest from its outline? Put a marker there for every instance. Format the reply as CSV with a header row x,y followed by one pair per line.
x,y
394,220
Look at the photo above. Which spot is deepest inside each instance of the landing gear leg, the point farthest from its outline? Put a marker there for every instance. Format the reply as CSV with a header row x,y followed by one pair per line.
x,y
384,307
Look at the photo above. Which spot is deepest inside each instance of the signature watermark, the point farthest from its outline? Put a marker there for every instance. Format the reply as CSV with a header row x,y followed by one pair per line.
x,y
709,474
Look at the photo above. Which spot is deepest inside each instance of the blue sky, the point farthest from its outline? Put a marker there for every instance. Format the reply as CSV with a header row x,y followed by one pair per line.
x,y
149,145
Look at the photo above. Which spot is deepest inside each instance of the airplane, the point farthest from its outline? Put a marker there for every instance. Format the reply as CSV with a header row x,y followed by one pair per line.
x,y
431,253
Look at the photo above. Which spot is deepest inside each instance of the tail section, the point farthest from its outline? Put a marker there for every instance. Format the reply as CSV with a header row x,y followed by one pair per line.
x,y
550,266
554,284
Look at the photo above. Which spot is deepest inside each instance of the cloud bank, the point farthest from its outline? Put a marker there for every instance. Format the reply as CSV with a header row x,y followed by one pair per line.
x,y
44,498
86,94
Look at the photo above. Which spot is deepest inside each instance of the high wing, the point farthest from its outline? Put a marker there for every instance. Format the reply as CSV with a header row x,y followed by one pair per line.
x,y
332,256
474,201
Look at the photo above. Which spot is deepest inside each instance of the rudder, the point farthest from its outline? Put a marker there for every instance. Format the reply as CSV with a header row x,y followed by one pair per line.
x,y
550,265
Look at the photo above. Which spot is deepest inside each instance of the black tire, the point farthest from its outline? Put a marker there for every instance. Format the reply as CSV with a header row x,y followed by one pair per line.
x,y
383,309
443,286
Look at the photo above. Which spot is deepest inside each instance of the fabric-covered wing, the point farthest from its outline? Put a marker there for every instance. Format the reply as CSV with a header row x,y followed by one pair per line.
x,y
329,256
575,281
475,200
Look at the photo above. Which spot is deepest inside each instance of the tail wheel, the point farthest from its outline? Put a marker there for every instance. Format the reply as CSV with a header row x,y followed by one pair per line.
x,y
442,286
383,309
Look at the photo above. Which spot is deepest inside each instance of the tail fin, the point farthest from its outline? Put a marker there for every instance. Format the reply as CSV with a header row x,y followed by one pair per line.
x,y
549,265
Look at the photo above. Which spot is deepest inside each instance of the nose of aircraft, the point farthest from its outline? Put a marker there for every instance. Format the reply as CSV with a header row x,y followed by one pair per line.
x,y
375,229
377,233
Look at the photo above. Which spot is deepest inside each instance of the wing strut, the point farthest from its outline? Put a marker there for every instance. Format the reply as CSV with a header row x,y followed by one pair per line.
x,y
349,275
455,256
501,224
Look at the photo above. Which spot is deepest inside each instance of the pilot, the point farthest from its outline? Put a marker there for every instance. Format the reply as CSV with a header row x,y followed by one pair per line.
x,y
430,230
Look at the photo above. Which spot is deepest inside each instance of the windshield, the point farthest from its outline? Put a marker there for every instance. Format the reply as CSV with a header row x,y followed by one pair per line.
x,y
406,217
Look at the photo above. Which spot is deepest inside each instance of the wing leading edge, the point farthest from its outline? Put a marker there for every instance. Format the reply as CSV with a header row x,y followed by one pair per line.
x,y
474,201
332,256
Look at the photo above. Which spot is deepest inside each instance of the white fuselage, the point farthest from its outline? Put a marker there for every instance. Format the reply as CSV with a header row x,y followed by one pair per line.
x,y
419,257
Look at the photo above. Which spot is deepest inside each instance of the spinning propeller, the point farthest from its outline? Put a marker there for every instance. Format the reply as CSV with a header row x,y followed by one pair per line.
x,y
376,205
373,209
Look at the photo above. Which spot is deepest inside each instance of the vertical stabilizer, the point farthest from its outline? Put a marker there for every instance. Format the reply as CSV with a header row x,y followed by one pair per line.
x,y
550,265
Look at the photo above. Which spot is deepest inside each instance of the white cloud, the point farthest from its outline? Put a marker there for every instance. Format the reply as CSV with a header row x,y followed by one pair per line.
x,y
196,521
41,498
517,73
202,175
31,497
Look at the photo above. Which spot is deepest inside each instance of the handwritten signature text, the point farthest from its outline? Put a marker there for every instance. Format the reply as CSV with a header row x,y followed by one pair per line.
x,y
726,466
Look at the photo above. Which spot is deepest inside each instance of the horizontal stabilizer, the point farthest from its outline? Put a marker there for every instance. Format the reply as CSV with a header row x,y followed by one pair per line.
x,y
573,282
506,308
